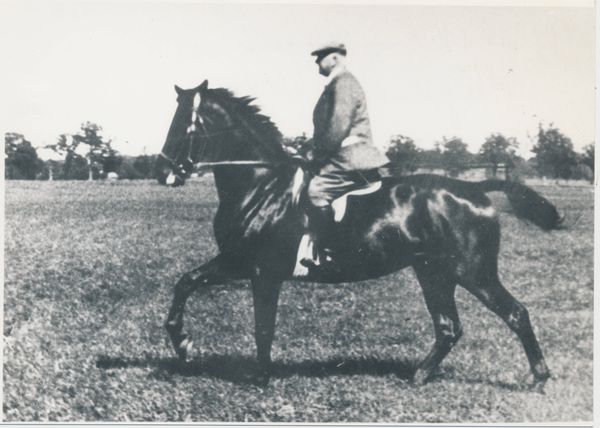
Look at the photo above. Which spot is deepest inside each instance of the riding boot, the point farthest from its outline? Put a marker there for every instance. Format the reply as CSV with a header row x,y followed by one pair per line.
x,y
320,225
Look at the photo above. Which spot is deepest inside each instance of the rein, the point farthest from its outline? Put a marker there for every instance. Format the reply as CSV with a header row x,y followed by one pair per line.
x,y
257,164
245,163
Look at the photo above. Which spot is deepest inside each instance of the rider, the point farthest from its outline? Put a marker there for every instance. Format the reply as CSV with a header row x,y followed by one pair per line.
x,y
342,145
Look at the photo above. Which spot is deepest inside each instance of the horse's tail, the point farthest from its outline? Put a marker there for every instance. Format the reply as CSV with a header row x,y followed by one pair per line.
x,y
526,203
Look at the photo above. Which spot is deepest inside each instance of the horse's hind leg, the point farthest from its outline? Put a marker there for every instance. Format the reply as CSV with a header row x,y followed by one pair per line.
x,y
438,289
479,275
497,298
207,274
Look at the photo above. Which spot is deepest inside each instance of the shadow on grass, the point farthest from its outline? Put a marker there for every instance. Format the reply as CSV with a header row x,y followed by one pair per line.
x,y
513,387
241,368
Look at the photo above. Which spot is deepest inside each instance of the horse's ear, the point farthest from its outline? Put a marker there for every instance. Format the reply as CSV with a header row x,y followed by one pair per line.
x,y
178,90
204,85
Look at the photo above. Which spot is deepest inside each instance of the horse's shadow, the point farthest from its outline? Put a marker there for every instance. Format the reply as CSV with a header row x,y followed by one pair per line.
x,y
241,368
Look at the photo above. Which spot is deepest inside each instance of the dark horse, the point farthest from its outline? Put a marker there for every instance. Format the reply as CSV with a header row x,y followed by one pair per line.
x,y
445,229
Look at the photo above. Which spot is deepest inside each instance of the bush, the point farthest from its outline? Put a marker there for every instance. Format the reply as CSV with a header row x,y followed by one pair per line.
x,y
21,161
76,167
583,172
127,170
522,169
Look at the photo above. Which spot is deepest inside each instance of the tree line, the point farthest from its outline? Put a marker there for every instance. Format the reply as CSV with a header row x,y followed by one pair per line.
x,y
88,155
554,156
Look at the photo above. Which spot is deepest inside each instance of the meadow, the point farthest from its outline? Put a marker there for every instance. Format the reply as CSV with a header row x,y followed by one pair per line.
x,y
88,278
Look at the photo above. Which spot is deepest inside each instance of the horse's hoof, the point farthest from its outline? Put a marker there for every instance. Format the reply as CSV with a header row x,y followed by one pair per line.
x,y
184,349
259,377
539,387
539,383
261,380
421,377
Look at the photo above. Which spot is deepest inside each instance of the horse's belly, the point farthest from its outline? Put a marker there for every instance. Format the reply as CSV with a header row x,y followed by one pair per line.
x,y
368,258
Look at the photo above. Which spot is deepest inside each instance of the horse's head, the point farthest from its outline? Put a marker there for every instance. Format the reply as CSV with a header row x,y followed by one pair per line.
x,y
211,125
180,151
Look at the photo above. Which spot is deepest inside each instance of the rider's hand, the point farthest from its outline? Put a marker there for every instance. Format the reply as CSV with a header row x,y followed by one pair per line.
x,y
299,160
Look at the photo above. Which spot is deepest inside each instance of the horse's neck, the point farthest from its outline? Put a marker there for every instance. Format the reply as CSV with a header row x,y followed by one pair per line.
x,y
245,140
241,187
234,182
251,198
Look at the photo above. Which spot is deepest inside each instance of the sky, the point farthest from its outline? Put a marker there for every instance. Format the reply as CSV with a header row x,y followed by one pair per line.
x,y
428,72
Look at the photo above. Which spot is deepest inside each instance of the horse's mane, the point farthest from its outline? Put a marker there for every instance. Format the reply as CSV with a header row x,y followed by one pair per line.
x,y
243,109
270,197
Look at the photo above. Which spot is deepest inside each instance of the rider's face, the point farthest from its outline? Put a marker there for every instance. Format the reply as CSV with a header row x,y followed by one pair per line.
x,y
326,64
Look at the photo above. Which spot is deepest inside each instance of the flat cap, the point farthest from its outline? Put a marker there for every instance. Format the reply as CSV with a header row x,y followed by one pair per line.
x,y
328,48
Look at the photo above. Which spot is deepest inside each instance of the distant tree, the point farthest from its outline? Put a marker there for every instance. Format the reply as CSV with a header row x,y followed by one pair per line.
x,y
76,167
21,161
554,153
127,170
138,167
403,153
497,149
582,172
523,169
589,156
144,165
99,151
51,170
111,163
88,145
455,156
430,158
162,169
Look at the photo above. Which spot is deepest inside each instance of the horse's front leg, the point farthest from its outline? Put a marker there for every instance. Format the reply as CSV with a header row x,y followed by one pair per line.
x,y
208,274
265,291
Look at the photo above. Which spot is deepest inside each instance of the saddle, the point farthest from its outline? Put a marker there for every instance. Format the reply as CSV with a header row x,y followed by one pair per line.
x,y
339,205
307,249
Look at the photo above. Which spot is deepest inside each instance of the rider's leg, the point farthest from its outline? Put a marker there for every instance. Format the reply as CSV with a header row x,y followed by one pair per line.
x,y
320,224
332,183
323,189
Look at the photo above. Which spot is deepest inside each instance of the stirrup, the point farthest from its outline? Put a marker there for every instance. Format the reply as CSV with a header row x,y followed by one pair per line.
x,y
310,264
320,263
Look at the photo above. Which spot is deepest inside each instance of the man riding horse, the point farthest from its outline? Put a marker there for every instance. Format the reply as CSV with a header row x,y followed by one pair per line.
x,y
343,148
446,230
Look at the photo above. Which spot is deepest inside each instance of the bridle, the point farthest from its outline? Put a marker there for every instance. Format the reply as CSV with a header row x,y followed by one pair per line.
x,y
180,169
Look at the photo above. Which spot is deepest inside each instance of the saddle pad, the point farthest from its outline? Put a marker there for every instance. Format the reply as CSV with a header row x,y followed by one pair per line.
x,y
339,205
305,250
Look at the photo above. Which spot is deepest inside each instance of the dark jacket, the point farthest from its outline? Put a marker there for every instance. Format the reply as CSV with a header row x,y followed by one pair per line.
x,y
340,113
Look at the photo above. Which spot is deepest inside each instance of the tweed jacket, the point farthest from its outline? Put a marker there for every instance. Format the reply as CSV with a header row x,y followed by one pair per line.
x,y
342,131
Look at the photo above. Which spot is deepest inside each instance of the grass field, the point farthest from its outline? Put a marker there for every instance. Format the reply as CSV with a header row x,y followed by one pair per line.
x,y
89,272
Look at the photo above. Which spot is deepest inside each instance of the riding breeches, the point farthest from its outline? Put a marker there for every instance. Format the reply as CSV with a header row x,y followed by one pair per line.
x,y
333,183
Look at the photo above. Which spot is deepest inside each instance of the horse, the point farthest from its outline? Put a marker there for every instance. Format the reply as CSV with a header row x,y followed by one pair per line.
x,y
445,229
